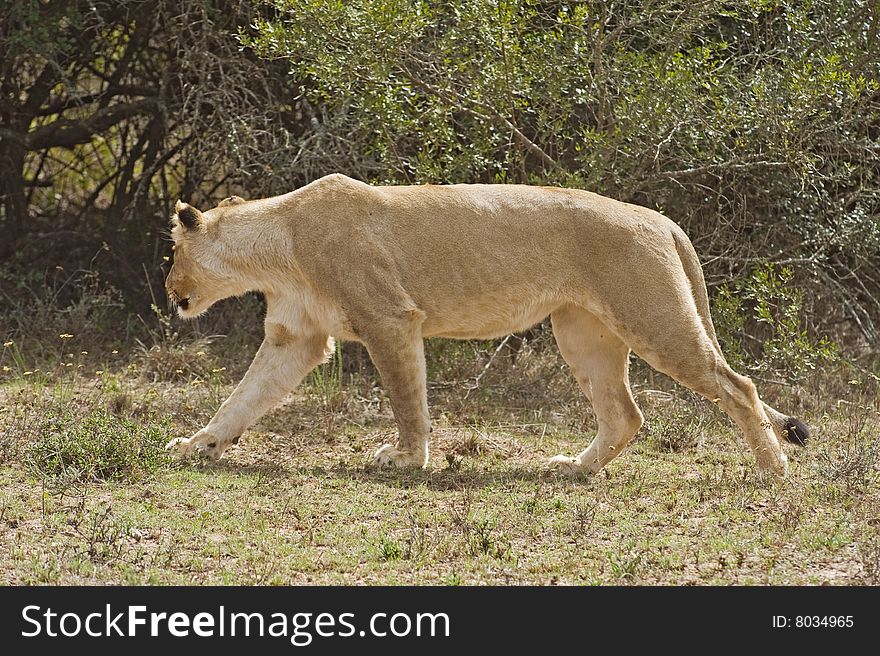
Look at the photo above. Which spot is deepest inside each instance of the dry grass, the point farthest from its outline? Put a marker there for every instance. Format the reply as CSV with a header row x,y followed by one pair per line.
x,y
89,497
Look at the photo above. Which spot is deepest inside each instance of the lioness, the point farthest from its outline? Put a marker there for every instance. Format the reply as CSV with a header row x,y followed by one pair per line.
x,y
391,265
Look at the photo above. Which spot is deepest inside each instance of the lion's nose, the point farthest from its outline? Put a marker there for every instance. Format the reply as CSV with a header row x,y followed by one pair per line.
x,y
183,303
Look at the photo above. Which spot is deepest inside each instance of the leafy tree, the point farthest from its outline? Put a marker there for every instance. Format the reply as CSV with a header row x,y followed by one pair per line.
x,y
754,123
110,109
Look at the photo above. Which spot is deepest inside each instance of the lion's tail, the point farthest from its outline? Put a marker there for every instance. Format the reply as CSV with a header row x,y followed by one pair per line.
x,y
786,428
694,272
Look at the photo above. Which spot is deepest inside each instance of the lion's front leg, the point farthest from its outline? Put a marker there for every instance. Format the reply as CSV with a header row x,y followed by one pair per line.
x,y
280,364
400,358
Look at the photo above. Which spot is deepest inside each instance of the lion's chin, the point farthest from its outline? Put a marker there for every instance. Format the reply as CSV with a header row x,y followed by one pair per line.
x,y
191,312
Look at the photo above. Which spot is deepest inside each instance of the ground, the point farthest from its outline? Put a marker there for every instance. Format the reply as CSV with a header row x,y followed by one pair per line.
x,y
87,495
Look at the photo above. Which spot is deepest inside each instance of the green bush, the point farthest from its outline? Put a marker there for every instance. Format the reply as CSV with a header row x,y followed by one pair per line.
x,y
97,446
761,326
752,123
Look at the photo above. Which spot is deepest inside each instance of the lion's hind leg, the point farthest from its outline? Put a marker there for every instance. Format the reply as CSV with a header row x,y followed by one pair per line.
x,y
684,351
599,360
739,399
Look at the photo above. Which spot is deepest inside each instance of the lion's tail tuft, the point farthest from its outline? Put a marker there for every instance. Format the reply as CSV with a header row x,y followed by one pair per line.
x,y
796,431
790,429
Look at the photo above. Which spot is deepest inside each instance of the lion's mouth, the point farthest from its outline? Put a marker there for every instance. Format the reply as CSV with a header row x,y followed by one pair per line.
x,y
182,303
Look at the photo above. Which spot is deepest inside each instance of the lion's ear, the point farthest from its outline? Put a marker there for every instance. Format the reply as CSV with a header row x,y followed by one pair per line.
x,y
188,216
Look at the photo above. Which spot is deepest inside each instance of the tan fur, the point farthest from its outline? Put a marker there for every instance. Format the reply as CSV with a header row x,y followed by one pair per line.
x,y
389,266
231,200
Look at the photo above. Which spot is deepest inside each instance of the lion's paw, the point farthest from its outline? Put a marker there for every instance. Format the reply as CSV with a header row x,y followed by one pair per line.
x,y
566,466
389,455
772,468
203,445
179,447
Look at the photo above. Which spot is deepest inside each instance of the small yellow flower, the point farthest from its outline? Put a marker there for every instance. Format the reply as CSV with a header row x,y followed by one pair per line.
x,y
200,353
99,372
165,258
178,371
65,335
8,344
6,370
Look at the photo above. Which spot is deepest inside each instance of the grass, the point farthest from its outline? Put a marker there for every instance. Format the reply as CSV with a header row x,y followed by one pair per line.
x,y
88,495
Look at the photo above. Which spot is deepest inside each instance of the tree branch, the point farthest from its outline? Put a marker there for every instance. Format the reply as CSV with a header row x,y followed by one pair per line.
x,y
67,133
493,114
64,104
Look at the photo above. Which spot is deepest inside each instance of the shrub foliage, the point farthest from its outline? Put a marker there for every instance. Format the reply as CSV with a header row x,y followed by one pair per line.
x,y
753,123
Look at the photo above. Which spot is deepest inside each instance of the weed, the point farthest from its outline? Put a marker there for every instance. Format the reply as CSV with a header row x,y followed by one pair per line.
x,y
418,544
584,518
15,430
104,535
96,446
486,539
625,561
869,553
868,539
470,445
11,358
390,549
180,361
37,308
855,456
679,427
327,380
481,534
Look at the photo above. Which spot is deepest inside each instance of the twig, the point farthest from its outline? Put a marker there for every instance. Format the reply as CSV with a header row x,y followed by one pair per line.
x,y
476,382
465,101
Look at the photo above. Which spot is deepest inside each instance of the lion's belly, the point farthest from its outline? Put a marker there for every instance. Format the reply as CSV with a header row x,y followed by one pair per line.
x,y
487,319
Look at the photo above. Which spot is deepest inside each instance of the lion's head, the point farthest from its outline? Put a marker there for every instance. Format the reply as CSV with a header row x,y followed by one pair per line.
x,y
198,277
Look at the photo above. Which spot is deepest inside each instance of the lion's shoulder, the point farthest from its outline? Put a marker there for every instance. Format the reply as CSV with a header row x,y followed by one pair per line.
x,y
339,181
